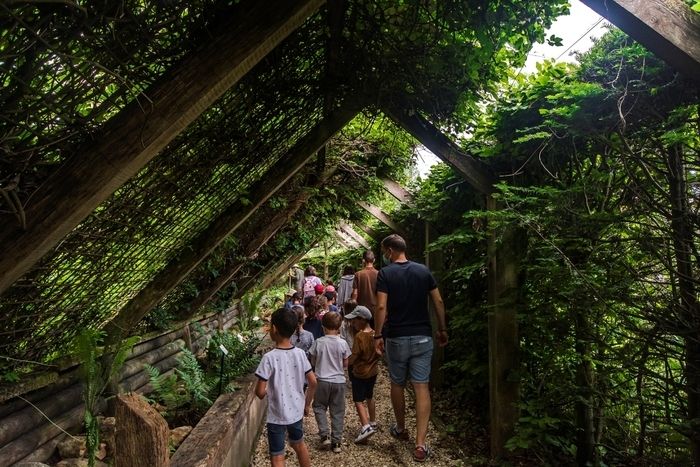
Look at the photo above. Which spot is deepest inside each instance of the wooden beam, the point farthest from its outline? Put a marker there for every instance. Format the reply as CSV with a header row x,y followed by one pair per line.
x,y
382,217
227,222
266,228
397,191
143,128
355,236
345,240
474,171
368,230
669,28
506,247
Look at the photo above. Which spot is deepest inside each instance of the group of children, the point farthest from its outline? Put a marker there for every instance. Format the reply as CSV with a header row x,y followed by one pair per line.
x,y
306,371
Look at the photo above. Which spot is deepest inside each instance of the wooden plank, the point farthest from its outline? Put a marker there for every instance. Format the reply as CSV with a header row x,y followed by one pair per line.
x,y
382,217
474,171
345,240
355,236
227,223
397,191
669,28
136,134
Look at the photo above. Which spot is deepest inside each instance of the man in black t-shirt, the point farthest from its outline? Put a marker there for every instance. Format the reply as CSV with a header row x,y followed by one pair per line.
x,y
402,318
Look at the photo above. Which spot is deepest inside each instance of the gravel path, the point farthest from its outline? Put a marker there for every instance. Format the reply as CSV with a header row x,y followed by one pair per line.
x,y
381,450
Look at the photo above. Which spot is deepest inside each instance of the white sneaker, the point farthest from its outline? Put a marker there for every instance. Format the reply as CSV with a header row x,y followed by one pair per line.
x,y
365,433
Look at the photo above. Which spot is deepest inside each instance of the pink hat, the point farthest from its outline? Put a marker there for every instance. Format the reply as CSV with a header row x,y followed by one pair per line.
x,y
318,289
330,288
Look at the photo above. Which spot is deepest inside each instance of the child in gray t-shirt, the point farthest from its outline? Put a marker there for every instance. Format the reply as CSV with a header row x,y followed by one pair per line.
x,y
281,375
329,354
301,339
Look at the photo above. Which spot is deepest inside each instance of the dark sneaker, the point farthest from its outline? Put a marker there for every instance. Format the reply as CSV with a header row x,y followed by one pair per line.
x,y
335,447
402,435
365,433
325,442
421,453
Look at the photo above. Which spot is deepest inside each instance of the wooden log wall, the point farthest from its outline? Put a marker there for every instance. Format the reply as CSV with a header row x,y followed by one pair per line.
x,y
26,435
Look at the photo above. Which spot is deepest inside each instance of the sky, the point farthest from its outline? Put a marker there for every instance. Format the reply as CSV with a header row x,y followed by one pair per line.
x,y
575,29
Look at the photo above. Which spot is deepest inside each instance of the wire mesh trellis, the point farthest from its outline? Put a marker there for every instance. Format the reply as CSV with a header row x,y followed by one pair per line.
x,y
113,253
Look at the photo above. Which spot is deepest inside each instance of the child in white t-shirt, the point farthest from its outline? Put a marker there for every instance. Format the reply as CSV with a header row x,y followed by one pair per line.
x,y
329,354
281,375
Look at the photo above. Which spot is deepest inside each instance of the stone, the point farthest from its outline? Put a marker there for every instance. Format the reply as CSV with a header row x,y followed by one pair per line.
x,y
79,463
73,447
101,452
108,429
31,464
178,435
142,434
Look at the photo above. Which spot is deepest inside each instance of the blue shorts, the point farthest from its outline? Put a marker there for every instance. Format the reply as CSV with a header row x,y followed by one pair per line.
x,y
276,435
409,357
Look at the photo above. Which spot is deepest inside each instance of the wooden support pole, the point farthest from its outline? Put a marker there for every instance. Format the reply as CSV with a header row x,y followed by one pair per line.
x,y
136,134
670,29
505,249
382,217
142,434
474,171
181,265
397,191
354,235
345,241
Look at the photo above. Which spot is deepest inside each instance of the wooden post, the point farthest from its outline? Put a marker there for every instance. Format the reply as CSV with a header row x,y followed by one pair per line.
x,y
346,228
178,268
397,191
368,230
136,134
670,29
505,248
434,261
142,434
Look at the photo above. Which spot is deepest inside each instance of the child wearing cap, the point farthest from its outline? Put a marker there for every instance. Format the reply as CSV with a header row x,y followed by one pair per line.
x,y
364,371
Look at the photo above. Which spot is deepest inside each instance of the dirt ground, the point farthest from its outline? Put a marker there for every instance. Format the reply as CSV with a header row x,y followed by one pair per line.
x,y
381,450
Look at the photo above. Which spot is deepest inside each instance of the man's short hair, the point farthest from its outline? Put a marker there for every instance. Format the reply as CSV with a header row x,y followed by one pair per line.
x,y
331,320
395,242
285,321
368,256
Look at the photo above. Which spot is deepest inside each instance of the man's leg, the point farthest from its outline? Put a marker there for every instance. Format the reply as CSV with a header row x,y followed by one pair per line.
x,y
423,406
398,403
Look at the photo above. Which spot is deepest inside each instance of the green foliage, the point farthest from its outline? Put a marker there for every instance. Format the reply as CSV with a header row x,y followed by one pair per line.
x,y
249,309
95,377
190,390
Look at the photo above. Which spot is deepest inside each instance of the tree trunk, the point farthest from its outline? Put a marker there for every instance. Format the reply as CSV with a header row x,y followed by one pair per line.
x,y
585,427
142,434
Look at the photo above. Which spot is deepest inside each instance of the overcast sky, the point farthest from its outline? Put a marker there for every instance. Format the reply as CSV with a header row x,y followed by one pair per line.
x,y
576,30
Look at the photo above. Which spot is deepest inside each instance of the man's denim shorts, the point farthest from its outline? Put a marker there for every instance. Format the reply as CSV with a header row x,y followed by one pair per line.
x,y
276,435
409,357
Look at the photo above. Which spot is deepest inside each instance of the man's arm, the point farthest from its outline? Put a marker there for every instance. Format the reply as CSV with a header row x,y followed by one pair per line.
x,y
440,315
379,317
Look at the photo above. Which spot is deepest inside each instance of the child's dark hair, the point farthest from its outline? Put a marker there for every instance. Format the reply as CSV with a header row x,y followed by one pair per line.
x,y
301,317
285,321
347,270
348,306
331,320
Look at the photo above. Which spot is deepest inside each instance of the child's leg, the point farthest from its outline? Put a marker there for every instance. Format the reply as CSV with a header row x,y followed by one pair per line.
x,y
337,410
371,408
362,413
275,439
296,441
302,454
320,405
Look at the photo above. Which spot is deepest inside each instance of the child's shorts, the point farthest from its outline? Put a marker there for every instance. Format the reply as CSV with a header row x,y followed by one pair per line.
x,y
276,435
362,389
